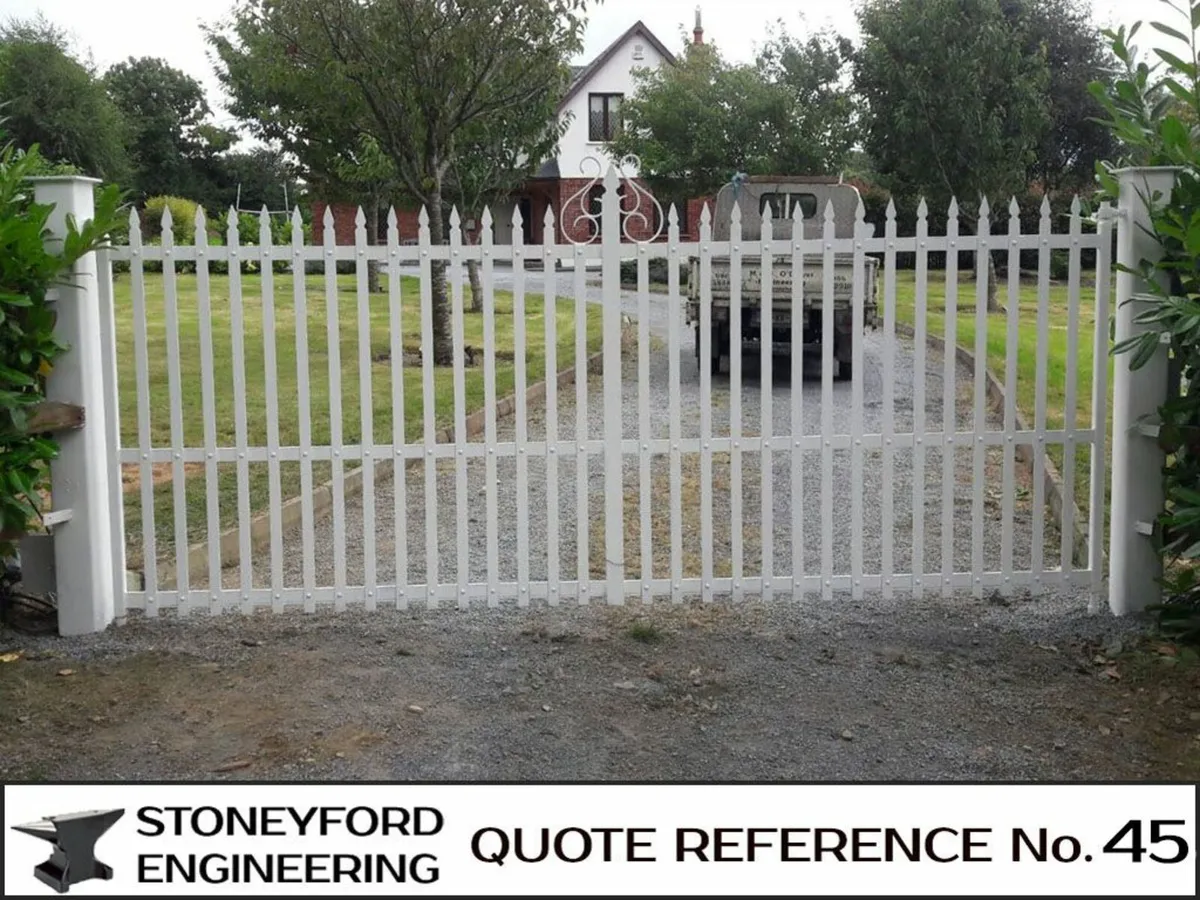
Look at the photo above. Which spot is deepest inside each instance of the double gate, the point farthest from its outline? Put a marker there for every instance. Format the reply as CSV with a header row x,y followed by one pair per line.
x,y
287,439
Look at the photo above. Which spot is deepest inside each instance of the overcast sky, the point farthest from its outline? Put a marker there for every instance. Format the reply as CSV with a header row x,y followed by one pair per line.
x,y
170,29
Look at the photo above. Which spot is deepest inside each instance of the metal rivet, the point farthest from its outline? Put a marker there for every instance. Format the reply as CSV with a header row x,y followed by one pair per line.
x,y
487,253
241,456
337,453
1010,438
858,442
924,243
246,599
979,581
736,445
858,246
460,451
796,444
888,441
179,456
137,252
829,443
829,584
462,591
708,586
1013,243
524,589
424,252
211,455
308,596
737,585
430,451
339,595
706,446
553,450
305,454
981,438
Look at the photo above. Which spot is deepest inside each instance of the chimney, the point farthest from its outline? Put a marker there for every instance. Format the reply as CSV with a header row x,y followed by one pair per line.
x,y
698,32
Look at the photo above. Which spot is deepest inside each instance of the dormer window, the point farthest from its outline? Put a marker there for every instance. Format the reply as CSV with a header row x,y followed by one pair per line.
x,y
604,116
639,51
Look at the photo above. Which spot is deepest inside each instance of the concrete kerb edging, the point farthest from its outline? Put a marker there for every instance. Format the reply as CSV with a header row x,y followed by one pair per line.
x,y
291,511
1024,454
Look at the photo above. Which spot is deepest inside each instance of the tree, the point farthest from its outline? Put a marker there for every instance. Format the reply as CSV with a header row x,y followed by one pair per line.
x,y
694,125
417,76
55,101
367,174
170,139
1077,55
953,98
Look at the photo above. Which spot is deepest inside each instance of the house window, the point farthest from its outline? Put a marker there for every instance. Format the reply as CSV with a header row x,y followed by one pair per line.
x,y
604,116
639,52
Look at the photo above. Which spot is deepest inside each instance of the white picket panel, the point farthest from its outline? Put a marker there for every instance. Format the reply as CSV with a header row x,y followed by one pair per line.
x,y
706,368
737,563
553,501
429,432
271,392
492,513
1011,346
767,410
462,545
522,412
1071,393
797,421
920,347
237,328
175,390
643,393
949,399
366,406
582,464
141,351
399,465
304,419
858,311
675,406
827,369
887,529
854,436
1039,417
979,417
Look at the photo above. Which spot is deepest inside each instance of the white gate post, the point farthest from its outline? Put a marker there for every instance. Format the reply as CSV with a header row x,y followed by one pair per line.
x,y
80,476
1137,461
614,461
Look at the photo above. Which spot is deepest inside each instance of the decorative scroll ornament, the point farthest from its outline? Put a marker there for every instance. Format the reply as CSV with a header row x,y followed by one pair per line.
x,y
647,212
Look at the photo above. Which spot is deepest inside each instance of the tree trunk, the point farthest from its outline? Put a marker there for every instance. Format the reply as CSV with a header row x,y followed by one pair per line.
x,y
993,289
443,346
372,239
476,282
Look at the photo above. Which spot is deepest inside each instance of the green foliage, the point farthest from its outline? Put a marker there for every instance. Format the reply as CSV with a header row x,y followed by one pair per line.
x,y
1077,54
1148,109
170,140
28,348
183,218
424,80
56,102
694,125
954,98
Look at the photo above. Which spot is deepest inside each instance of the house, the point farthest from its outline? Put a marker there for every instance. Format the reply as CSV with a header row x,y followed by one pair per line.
x,y
593,103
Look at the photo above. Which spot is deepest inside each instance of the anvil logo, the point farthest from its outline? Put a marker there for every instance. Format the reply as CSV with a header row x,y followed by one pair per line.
x,y
74,837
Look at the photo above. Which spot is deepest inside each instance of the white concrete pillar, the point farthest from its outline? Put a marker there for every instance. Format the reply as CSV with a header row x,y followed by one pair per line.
x,y
80,477
1137,461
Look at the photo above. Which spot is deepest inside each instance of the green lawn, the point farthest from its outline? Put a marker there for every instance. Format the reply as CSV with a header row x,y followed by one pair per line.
x,y
286,379
1027,337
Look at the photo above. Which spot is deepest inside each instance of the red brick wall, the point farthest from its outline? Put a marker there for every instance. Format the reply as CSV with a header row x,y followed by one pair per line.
x,y
344,215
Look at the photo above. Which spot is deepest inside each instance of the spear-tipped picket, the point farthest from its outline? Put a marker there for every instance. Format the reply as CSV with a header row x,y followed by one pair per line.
x,y
168,227
672,223
1014,209
548,232
423,218
297,232
360,223
890,213
705,217
327,221
232,235
952,210
1045,207
922,209
830,215
455,219
264,229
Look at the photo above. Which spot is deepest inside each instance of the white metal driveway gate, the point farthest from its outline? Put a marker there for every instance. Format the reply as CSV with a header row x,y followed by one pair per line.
x,y
191,337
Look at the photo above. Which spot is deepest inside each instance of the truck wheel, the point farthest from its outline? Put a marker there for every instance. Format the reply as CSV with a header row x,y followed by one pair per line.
x,y
843,350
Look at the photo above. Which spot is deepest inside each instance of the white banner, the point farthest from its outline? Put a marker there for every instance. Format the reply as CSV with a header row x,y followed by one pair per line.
x,y
260,840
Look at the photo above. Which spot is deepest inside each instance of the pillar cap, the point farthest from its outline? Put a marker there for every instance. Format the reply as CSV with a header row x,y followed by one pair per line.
x,y
64,179
1146,170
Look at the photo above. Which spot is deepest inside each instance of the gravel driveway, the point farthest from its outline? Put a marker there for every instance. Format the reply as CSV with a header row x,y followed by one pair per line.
x,y
936,688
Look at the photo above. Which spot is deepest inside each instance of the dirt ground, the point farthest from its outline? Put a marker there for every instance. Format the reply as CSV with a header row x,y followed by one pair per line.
x,y
965,690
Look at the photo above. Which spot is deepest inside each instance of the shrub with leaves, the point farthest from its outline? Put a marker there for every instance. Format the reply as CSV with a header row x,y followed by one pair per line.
x,y
183,218
28,348
1152,110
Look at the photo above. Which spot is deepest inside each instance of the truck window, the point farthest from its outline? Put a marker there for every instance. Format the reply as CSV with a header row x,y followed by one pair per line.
x,y
783,205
